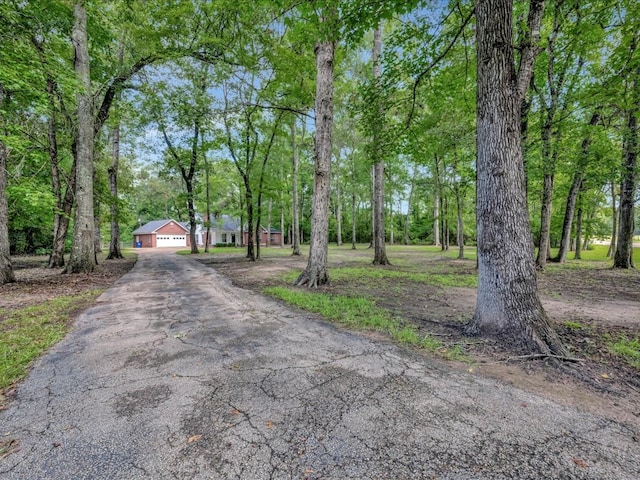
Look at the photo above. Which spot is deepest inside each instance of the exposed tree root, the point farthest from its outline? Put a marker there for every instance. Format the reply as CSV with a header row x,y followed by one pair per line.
x,y
312,279
535,356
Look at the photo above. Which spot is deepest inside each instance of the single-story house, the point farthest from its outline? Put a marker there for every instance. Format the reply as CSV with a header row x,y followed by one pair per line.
x,y
161,233
224,229
274,236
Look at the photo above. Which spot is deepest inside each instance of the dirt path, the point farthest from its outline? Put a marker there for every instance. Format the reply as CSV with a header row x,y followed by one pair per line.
x,y
177,374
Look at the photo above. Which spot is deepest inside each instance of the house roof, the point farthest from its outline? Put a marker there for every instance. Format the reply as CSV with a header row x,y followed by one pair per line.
x,y
225,223
154,225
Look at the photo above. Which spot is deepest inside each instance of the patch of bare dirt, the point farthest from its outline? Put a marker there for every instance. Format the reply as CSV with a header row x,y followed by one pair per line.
x,y
588,307
36,284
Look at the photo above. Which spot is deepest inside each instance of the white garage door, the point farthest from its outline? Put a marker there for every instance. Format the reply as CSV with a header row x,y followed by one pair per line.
x,y
171,241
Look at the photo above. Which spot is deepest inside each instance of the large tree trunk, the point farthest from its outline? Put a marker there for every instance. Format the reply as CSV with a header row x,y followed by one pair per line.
x,y
316,272
379,247
508,307
295,213
6,268
623,257
83,258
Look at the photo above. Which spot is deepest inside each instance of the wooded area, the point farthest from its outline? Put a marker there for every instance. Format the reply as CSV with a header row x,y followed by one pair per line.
x,y
507,125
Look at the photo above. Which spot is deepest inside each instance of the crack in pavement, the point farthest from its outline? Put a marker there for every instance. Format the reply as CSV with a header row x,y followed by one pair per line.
x,y
175,373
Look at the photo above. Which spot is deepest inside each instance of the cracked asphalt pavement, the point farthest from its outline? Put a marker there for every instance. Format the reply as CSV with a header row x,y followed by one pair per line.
x,y
177,374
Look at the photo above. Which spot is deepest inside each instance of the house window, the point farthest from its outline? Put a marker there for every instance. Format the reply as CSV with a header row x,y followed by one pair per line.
x,y
224,238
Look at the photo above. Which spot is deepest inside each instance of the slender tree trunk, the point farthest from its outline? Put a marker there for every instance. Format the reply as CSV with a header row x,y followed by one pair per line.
x,y
6,268
316,272
268,242
338,214
83,257
409,204
578,250
353,220
614,220
97,227
251,255
207,224
373,207
391,231
623,257
508,307
460,224
295,213
281,225
444,223
64,203
555,82
380,251
588,230
459,206
576,186
436,203
114,243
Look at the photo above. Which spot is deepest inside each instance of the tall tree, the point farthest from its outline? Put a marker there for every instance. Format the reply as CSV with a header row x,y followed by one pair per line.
x,y
508,306
379,247
316,272
83,256
114,242
623,257
6,268
295,157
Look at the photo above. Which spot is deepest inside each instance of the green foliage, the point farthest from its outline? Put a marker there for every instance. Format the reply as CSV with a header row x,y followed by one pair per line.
x,y
28,332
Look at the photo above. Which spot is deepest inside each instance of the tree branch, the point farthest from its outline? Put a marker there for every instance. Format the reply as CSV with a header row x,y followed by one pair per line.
x,y
435,62
529,47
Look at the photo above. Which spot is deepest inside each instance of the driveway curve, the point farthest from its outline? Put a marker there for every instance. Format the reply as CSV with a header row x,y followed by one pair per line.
x,y
176,374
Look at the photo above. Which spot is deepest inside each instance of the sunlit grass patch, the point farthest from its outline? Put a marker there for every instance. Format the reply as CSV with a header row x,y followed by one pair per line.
x,y
373,273
27,332
359,313
627,348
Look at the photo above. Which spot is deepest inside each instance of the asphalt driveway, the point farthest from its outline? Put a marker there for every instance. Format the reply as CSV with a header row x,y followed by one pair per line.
x,y
176,374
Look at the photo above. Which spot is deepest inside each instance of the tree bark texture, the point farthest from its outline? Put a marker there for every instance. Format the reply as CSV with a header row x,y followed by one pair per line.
x,y
295,213
6,268
82,258
508,307
623,257
379,247
316,272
